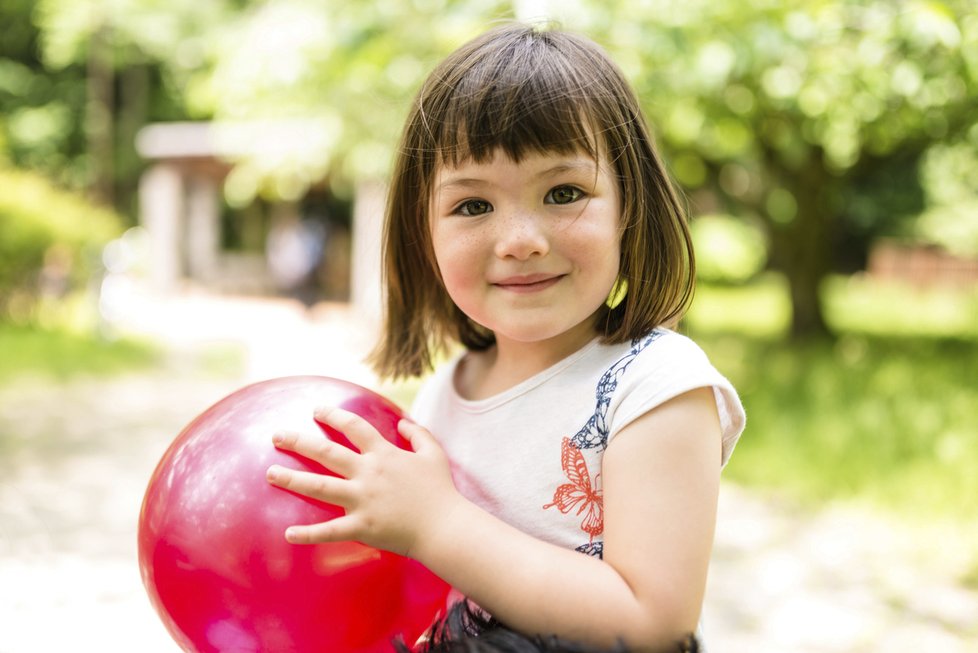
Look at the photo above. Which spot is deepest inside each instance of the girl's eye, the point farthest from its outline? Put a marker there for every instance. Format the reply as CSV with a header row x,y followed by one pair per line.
x,y
563,195
473,207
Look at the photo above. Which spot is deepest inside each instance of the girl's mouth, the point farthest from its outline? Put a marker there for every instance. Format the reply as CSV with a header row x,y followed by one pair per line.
x,y
528,283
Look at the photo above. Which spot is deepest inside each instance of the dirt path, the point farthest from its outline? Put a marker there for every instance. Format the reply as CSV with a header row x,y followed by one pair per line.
x,y
75,459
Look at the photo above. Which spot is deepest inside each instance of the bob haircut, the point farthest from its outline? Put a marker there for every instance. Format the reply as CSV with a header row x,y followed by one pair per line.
x,y
522,89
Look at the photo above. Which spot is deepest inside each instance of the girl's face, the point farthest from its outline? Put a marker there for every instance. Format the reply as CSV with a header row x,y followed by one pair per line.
x,y
528,250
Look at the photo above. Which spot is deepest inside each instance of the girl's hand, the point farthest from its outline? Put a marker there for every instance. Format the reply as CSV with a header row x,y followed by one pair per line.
x,y
392,497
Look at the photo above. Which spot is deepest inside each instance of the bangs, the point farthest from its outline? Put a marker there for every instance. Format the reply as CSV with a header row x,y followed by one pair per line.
x,y
526,91
526,97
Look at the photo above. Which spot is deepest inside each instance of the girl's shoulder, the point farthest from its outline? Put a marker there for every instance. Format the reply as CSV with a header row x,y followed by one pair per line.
x,y
660,366
659,358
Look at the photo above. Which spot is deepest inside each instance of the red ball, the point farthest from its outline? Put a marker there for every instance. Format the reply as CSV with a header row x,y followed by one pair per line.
x,y
212,549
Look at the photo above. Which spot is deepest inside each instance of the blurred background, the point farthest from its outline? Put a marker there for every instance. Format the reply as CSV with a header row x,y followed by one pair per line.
x,y
190,200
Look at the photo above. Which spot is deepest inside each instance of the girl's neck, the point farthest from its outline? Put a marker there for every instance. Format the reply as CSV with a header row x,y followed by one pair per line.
x,y
485,374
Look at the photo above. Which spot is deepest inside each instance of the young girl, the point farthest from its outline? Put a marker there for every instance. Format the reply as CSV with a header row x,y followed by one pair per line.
x,y
566,464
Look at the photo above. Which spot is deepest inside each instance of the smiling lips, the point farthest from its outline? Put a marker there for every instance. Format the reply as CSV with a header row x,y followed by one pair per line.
x,y
529,283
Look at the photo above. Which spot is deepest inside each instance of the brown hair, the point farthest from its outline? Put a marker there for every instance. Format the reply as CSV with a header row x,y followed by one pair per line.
x,y
524,90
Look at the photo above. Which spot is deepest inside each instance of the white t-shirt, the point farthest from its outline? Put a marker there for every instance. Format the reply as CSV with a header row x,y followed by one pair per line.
x,y
531,455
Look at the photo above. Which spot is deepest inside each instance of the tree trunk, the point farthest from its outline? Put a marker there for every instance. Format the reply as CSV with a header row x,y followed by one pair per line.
x,y
131,115
99,113
805,278
803,247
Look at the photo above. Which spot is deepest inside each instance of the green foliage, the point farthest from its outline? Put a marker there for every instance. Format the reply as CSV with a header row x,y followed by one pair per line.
x,y
55,354
727,250
44,230
345,71
886,420
786,83
950,174
138,30
39,108
810,115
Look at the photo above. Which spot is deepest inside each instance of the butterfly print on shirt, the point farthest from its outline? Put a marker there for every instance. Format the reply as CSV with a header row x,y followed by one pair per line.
x,y
579,493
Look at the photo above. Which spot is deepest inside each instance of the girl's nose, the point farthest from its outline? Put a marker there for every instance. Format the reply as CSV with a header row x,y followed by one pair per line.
x,y
520,237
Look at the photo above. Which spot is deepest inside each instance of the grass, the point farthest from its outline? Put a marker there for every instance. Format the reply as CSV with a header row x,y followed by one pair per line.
x,y
61,354
860,304
885,420
885,423
760,309
854,305
883,414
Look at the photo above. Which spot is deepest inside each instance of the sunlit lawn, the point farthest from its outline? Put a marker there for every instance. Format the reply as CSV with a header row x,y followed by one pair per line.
x,y
886,413
62,354
852,305
890,420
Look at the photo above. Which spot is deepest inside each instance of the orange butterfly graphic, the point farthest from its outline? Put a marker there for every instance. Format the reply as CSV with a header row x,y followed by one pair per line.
x,y
579,492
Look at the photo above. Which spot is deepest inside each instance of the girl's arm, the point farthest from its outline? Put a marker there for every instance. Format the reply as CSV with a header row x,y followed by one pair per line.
x,y
661,480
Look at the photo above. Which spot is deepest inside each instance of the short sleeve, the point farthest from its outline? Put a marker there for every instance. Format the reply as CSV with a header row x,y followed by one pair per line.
x,y
665,365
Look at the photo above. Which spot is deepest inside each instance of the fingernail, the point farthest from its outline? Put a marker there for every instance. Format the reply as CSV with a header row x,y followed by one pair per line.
x,y
278,438
291,535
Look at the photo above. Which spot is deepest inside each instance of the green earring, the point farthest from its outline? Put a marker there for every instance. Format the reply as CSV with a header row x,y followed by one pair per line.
x,y
617,294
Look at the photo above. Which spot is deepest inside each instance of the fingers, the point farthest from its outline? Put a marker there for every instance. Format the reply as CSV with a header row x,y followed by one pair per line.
x,y
377,487
359,431
419,437
319,448
328,489
340,529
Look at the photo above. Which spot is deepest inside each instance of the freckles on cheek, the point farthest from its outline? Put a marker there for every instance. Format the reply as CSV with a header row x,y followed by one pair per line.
x,y
457,254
